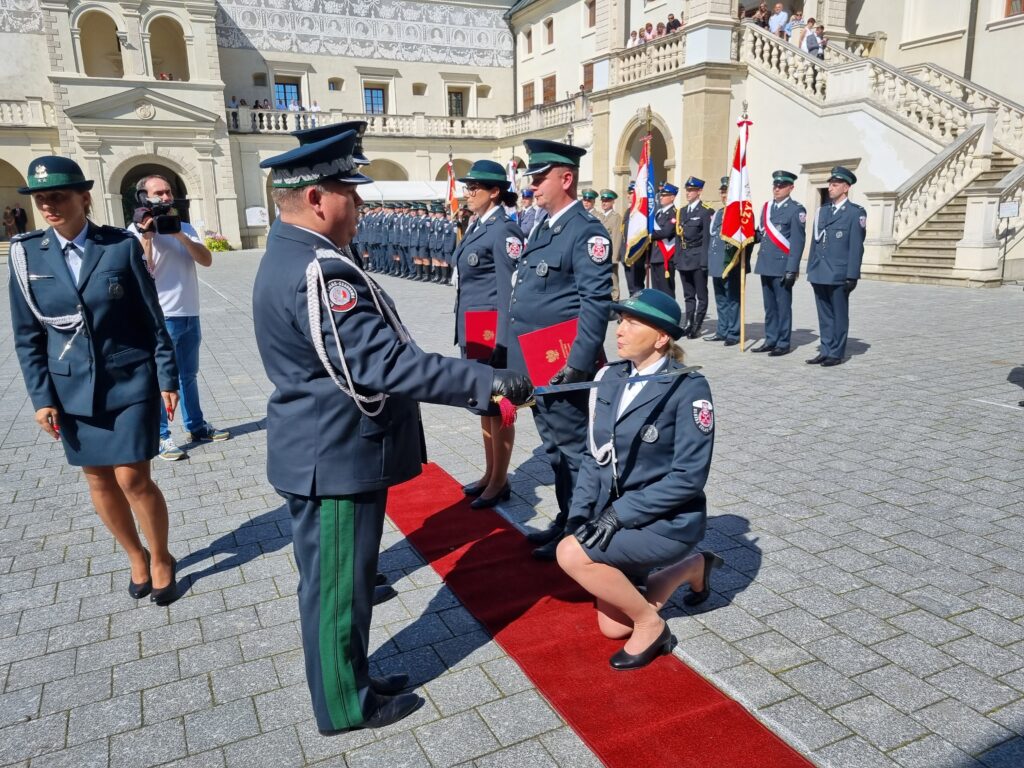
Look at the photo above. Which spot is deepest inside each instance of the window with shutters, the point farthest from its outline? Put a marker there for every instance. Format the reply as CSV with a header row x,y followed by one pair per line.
x,y
548,84
588,78
528,99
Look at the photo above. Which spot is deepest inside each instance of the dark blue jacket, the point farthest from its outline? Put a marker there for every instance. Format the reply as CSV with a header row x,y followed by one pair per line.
x,y
692,228
790,219
318,442
664,456
124,353
838,249
575,281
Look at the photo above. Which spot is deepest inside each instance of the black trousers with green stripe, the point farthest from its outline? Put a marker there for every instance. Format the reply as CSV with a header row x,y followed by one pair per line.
x,y
336,542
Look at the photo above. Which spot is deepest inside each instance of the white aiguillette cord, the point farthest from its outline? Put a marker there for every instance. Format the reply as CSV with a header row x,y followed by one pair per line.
x,y
19,266
316,291
606,452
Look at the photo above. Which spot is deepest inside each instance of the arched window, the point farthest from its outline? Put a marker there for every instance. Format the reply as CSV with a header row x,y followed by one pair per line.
x,y
101,49
167,46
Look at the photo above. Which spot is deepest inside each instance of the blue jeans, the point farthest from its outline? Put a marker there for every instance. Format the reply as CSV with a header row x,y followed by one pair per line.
x,y
185,335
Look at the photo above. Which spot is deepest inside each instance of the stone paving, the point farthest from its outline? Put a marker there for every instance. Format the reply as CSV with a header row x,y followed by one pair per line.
x,y
871,612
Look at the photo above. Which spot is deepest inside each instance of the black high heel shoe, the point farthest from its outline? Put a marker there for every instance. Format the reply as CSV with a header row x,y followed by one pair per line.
x,y
167,595
711,560
660,647
474,489
139,591
483,502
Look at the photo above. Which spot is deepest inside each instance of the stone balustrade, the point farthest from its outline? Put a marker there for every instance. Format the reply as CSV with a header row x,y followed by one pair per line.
x,y
26,113
926,109
643,62
800,71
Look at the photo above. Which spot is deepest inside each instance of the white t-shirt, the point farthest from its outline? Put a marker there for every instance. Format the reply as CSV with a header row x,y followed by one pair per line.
x,y
174,271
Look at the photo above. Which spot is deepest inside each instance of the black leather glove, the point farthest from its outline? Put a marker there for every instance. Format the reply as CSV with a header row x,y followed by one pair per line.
x,y
705,271
499,357
599,532
570,375
789,280
514,386
851,283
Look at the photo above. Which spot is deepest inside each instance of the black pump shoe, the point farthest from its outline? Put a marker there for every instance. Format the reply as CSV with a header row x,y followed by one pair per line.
x,y
474,489
550,533
167,595
711,560
660,647
483,502
139,591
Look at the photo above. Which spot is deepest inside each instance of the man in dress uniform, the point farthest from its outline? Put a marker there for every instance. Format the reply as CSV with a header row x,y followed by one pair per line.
x,y
692,256
564,274
727,289
833,266
531,215
782,235
663,248
637,271
612,220
587,197
343,420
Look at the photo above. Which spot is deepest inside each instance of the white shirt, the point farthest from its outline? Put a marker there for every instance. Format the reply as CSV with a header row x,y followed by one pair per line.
x,y
779,203
777,21
174,271
73,256
556,216
837,207
632,390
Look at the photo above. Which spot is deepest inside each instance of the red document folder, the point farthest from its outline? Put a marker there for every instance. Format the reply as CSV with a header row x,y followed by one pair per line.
x,y
546,351
481,334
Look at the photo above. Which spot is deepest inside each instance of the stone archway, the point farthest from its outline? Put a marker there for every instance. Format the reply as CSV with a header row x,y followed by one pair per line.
x,y
140,171
459,166
10,180
663,152
120,196
386,170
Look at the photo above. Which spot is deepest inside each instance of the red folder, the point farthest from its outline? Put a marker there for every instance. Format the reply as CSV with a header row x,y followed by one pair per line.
x,y
481,334
546,351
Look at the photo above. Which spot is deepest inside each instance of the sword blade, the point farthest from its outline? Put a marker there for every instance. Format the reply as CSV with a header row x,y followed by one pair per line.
x,y
558,389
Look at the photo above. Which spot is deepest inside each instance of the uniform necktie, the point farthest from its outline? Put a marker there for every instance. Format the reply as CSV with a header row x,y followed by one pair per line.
x,y
73,258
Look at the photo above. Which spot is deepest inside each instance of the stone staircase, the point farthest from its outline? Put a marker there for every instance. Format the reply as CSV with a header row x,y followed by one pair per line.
x,y
929,254
5,251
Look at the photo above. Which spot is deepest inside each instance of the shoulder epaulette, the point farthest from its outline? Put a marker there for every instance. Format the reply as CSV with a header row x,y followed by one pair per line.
x,y
707,205
27,235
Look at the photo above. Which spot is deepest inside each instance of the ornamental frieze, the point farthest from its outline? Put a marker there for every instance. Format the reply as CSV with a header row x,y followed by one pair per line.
x,y
22,16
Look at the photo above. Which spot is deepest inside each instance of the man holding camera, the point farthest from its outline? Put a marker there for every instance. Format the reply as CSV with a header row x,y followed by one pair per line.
x,y
173,248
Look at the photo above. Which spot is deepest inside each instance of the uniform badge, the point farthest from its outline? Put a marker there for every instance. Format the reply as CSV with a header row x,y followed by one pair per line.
x,y
649,434
472,259
542,269
45,242
599,249
341,296
704,415
803,217
115,290
513,247
863,222
558,228
41,174
839,234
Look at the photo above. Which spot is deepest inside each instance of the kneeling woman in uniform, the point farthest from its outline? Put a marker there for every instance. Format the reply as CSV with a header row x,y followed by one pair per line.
x,y
486,259
97,361
641,484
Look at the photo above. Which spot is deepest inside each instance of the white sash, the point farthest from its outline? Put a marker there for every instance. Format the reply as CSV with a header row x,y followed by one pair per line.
x,y
781,242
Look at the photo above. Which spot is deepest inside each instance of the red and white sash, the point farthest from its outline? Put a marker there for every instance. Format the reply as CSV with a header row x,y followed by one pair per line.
x,y
772,231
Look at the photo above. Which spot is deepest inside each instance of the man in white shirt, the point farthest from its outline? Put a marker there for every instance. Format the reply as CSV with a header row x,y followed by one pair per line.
x,y
172,260
777,21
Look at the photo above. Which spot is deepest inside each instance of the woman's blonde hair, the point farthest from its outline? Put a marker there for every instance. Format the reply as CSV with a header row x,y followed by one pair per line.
x,y
676,352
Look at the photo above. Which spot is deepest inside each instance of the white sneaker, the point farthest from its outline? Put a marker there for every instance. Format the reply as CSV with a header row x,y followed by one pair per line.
x,y
169,451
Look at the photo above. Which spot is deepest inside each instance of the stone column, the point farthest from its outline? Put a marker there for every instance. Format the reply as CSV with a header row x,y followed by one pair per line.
x,y
979,249
831,14
601,150
880,242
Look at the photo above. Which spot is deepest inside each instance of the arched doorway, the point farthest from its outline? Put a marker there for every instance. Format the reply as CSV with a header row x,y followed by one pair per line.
x,y
459,166
167,46
10,180
386,170
131,178
101,49
659,155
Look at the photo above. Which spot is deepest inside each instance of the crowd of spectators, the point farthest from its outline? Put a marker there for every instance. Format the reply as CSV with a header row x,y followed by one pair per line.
x,y
808,36
651,31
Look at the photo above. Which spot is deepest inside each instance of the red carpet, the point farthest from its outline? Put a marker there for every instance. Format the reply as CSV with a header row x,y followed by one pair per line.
x,y
664,715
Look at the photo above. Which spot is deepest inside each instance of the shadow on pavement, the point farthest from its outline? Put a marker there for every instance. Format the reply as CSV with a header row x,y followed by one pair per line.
x,y
1016,376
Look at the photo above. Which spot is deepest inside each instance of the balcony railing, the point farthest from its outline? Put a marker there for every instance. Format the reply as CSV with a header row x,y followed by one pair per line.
x,y
648,60
28,113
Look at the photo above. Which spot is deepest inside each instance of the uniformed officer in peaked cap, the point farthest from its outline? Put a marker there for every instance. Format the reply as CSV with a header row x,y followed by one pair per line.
x,y
612,221
532,215
564,274
343,420
727,289
833,266
782,235
692,255
665,243
313,135
588,198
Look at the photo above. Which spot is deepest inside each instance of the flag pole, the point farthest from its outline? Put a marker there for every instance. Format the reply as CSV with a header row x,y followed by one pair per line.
x,y
743,282
650,240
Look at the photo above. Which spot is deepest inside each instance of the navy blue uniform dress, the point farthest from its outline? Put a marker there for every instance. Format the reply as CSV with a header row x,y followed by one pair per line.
x,y
331,461
835,257
486,259
105,379
651,464
727,289
564,274
785,228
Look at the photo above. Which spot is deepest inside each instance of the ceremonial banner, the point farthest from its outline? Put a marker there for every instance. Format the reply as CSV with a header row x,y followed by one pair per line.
x,y
510,171
738,221
453,199
546,351
640,221
481,334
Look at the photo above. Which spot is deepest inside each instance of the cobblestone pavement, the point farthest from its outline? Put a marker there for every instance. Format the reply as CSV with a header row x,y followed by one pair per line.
x,y
871,613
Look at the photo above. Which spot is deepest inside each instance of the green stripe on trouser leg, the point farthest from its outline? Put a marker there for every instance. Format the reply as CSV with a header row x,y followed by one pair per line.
x,y
337,524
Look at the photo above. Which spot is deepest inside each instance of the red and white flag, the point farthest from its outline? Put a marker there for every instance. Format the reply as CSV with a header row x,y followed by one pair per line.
x,y
453,199
738,220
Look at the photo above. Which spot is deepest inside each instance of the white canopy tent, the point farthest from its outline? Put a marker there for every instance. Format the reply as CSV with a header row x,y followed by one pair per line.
x,y
383,191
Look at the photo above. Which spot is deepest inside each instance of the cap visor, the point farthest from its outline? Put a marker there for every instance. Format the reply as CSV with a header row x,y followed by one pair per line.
x,y
81,186
535,171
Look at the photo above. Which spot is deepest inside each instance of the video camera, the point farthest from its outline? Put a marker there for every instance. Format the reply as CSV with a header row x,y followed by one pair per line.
x,y
165,218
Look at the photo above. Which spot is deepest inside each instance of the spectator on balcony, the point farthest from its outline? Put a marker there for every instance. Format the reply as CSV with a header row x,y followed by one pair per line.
x,y
265,104
809,31
314,107
777,21
294,106
633,40
819,42
243,103
674,24
233,104
796,28
660,31
648,32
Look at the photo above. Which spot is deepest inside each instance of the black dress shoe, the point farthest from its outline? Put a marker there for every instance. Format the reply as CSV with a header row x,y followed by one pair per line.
x,y
731,342
381,580
546,553
138,591
711,560
390,709
779,352
817,360
474,489
543,537
716,337
383,593
389,685
763,348
660,647
167,595
483,502
828,362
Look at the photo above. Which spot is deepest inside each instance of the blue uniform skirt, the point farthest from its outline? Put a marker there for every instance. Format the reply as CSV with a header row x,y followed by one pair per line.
x,y
124,436
636,552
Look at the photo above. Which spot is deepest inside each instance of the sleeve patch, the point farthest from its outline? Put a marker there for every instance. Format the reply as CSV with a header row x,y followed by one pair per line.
x,y
341,296
513,247
599,249
803,217
863,222
704,415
